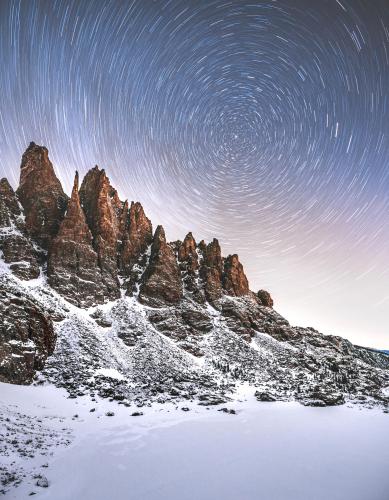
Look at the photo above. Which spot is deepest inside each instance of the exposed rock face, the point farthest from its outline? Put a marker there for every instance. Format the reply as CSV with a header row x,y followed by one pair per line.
x,y
265,298
103,214
10,210
244,317
15,245
162,279
98,238
187,253
26,336
137,235
188,257
234,278
211,270
72,263
41,194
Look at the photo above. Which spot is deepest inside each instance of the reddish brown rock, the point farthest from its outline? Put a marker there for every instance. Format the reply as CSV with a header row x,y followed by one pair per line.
x,y
137,235
188,258
234,278
15,245
162,279
10,209
27,336
103,209
265,298
211,269
72,263
41,195
202,246
187,253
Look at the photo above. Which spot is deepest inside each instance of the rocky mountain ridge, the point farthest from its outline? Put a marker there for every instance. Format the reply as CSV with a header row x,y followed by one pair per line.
x,y
87,286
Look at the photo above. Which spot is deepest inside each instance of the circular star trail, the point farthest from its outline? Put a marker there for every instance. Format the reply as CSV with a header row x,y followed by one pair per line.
x,y
264,124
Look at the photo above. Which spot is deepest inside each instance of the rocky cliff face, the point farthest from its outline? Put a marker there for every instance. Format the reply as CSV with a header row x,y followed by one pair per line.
x,y
41,195
27,335
176,318
98,239
17,249
265,298
211,269
72,267
161,282
102,209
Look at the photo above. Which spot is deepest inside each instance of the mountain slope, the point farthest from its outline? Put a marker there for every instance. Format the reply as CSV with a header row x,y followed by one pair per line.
x,y
138,319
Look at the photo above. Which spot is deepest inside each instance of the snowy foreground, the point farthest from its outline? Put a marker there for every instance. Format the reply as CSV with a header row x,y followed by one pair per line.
x,y
269,451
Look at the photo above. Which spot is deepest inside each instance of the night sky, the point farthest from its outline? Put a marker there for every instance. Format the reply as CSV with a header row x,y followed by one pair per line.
x,y
262,123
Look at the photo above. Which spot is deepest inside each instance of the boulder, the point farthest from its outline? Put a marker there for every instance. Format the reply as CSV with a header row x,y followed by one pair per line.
x,y
265,396
265,298
211,269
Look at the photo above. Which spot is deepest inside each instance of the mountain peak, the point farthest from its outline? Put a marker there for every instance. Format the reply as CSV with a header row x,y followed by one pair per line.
x,y
187,300
75,182
71,255
41,195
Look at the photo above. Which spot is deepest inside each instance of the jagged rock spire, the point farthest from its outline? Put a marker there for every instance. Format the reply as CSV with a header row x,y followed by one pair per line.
x,y
72,263
187,253
102,206
41,194
265,298
211,269
75,185
137,235
162,280
234,279
101,237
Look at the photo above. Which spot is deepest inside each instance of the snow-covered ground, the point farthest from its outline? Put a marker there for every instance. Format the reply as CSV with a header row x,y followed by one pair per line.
x,y
269,451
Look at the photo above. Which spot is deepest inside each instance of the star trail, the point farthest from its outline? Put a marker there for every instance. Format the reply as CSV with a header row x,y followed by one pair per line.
x,y
264,124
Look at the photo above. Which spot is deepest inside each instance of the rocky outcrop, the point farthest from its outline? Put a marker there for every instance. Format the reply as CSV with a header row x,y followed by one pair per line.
x,y
161,283
103,211
26,336
188,258
137,235
17,249
72,263
211,269
100,240
187,252
41,195
119,237
265,298
234,278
